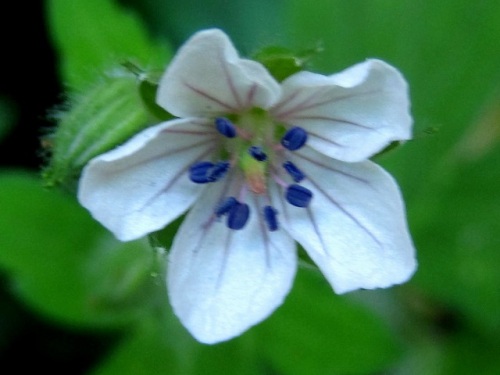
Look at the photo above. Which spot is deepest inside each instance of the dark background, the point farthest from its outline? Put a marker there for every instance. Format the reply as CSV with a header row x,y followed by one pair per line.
x,y
29,81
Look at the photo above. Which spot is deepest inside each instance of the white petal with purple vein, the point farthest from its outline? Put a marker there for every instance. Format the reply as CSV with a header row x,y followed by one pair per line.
x,y
355,227
207,78
143,185
351,115
222,281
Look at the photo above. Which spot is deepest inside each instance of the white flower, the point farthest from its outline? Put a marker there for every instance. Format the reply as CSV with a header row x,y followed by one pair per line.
x,y
258,165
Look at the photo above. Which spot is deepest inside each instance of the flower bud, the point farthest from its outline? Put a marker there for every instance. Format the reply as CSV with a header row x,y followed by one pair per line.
x,y
97,120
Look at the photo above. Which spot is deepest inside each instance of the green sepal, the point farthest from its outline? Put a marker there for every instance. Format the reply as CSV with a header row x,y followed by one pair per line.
x,y
147,90
282,62
98,119
148,86
390,147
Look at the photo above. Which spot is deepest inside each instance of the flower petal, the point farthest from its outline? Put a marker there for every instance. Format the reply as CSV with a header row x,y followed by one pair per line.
x,y
207,78
355,227
222,281
351,115
143,185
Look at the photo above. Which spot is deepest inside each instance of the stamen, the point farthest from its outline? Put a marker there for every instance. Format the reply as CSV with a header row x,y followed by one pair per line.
x,y
293,171
199,172
238,216
257,153
298,196
270,218
225,127
218,171
225,206
294,138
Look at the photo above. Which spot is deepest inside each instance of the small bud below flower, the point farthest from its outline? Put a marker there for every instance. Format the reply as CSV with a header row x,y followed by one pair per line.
x,y
257,153
199,172
225,127
294,138
298,196
238,216
101,117
270,218
294,172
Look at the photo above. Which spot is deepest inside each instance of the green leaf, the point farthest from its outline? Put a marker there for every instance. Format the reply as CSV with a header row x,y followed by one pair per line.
x,y
144,352
94,36
469,353
459,254
318,332
463,353
64,265
161,345
250,24
282,62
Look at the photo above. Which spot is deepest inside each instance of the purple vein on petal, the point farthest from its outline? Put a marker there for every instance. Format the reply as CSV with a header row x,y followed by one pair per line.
x,y
284,102
212,217
312,161
196,132
265,235
306,103
324,139
316,230
347,213
207,225
205,229
210,97
225,257
284,204
297,107
176,177
165,154
251,95
334,120
230,82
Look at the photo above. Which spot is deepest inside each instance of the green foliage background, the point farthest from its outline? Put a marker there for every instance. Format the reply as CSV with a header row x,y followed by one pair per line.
x,y
446,320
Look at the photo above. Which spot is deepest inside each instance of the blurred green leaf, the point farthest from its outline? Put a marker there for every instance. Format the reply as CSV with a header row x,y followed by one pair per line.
x,y
447,50
162,345
317,332
250,24
94,36
65,265
464,353
459,257
469,353
144,352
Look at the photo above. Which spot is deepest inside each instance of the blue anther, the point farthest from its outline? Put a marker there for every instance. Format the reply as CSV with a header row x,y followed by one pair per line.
x,y
271,219
293,171
257,153
238,216
225,127
225,206
294,138
298,195
218,171
199,172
